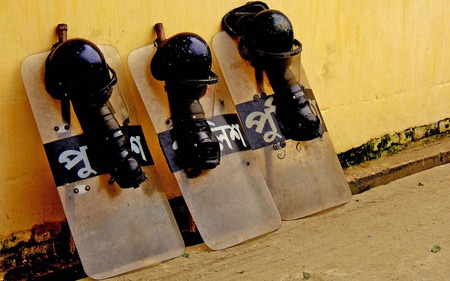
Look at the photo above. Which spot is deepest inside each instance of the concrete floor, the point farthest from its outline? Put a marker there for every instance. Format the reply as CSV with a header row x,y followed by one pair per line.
x,y
386,233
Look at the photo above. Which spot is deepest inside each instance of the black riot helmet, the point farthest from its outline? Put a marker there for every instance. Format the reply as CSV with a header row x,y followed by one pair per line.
x,y
184,58
76,68
269,31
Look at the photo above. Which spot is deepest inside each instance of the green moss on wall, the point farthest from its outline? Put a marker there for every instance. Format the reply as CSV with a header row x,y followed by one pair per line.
x,y
391,144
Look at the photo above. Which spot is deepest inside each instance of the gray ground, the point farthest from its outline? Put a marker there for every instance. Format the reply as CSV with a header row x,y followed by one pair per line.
x,y
398,231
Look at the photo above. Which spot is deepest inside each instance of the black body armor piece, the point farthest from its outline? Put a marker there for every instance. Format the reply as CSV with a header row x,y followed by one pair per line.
x,y
267,41
184,62
76,70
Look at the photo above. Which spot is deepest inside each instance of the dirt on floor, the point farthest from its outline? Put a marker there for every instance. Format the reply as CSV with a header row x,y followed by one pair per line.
x,y
399,231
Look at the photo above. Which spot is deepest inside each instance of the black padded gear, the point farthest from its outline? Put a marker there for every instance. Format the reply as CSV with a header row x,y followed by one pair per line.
x,y
76,70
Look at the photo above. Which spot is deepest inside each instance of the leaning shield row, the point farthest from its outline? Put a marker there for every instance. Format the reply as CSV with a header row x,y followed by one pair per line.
x,y
243,161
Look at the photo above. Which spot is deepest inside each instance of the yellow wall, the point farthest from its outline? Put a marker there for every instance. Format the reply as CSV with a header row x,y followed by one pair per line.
x,y
376,67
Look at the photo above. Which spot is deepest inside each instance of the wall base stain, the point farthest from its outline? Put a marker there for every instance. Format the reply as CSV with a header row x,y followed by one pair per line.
x,y
391,144
46,252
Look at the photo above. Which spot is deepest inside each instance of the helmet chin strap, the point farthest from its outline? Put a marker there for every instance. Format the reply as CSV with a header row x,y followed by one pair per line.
x,y
213,79
260,54
111,83
65,110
